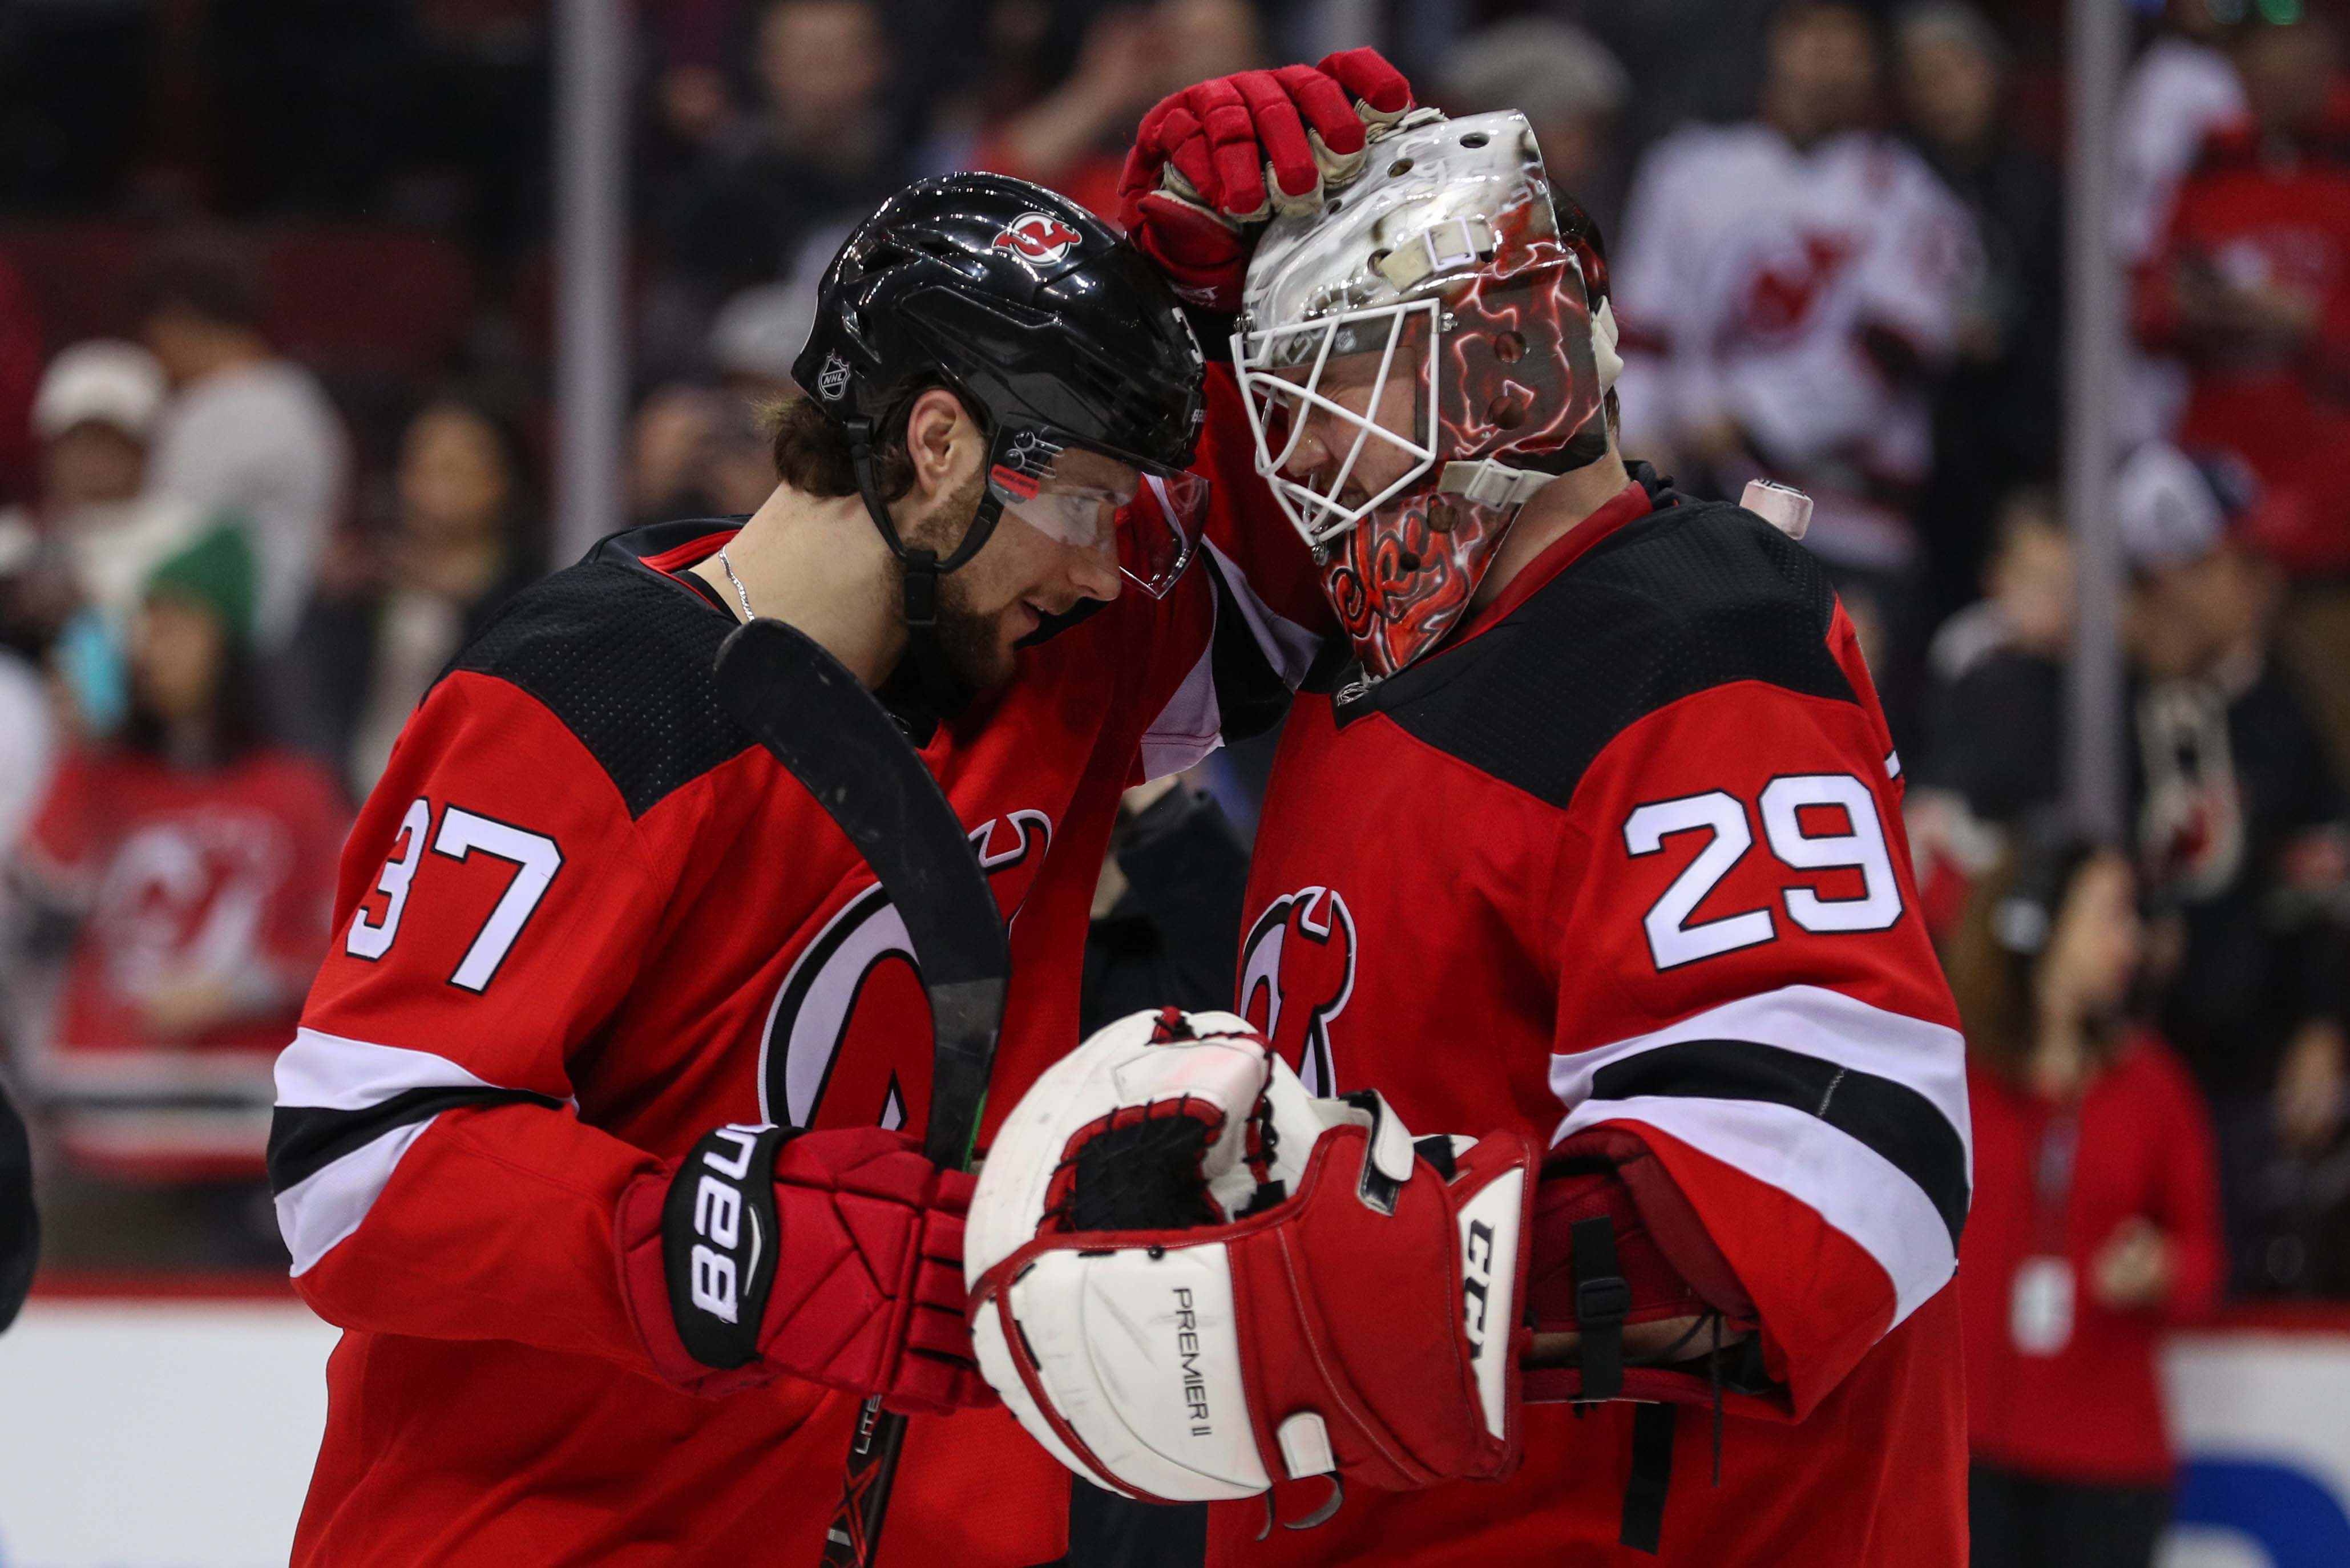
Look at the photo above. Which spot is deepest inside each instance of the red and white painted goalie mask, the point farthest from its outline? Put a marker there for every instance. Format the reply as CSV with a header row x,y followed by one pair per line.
x,y
1399,346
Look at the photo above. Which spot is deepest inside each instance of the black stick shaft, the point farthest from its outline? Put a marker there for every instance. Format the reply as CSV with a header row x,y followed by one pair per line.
x,y
843,747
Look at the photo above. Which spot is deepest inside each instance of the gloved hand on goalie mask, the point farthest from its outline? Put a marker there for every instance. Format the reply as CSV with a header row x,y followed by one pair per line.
x,y
1191,1278
1213,161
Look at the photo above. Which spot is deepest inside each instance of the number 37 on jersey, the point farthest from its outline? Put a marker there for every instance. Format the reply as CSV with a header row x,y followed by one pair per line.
x,y
451,833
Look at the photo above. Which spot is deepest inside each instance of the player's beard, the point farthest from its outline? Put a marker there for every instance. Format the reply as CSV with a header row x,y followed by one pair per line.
x,y
968,639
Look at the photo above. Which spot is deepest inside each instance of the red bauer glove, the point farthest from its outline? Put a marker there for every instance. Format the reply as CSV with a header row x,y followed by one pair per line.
x,y
832,1256
1213,161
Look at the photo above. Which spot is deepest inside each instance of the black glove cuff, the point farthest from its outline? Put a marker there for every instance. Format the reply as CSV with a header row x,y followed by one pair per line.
x,y
719,1242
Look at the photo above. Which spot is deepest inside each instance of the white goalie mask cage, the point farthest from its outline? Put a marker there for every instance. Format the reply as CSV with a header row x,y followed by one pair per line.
x,y
1420,250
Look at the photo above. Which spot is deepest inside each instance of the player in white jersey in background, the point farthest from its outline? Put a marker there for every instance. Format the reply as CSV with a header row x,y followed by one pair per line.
x,y
1786,287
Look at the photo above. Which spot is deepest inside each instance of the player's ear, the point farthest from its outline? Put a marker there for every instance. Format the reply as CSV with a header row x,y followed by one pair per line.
x,y
941,441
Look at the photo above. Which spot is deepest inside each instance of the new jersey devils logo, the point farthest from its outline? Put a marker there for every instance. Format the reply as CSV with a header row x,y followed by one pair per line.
x,y
859,978
1039,237
1298,968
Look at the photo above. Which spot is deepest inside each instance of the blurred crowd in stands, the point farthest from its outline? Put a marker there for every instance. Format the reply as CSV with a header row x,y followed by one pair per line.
x,y
274,429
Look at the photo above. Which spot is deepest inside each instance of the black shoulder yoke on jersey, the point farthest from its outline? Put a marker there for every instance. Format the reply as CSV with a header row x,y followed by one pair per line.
x,y
623,656
1696,594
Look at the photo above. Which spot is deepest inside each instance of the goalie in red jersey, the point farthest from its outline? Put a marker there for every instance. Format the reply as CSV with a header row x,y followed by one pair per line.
x,y
1585,836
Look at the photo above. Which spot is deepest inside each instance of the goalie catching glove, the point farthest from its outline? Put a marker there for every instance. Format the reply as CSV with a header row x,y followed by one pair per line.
x,y
1191,1278
833,1256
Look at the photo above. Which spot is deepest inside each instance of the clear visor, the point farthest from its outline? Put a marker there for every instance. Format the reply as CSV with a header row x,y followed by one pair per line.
x,y
1146,523
1342,411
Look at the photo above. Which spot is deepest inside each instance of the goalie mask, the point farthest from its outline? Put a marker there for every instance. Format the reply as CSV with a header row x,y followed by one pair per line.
x,y
1415,355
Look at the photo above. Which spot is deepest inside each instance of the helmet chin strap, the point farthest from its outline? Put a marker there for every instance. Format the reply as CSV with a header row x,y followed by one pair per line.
x,y
944,690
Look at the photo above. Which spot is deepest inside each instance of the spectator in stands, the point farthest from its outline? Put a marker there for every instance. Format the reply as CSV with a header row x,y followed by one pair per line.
x,y
1992,742
1074,139
2252,287
2240,819
1787,289
93,520
2181,88
823,144
200,862
696,452
1997,413
758,334
1570,88
463,544
247,431
2096,1218
1072,136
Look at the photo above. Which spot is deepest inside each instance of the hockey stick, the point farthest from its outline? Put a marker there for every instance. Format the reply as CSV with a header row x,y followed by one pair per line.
x,y
821,723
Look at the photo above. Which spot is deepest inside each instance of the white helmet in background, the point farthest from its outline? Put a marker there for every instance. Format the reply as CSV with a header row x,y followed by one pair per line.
x,y
1443,319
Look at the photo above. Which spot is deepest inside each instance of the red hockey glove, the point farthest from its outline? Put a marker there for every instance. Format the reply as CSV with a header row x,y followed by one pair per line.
x,y
832,1256
1616,1247
1192,1280
1213,160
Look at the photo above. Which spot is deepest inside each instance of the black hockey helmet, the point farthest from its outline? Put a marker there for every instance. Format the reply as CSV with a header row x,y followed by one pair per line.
x,y
1053,331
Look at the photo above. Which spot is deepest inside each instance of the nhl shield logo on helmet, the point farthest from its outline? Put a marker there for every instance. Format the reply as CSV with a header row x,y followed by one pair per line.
x,y
1038,236
833,380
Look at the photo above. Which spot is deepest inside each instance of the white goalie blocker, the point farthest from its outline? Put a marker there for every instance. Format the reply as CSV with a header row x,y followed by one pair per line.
x,y
1177,1273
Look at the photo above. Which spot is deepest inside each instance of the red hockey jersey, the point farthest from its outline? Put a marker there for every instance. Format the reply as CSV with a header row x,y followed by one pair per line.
x,y
187,878
584,919
1630,854
2086,1404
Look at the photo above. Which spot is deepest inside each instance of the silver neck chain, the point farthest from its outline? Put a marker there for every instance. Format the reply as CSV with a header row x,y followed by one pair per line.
x,y
728,567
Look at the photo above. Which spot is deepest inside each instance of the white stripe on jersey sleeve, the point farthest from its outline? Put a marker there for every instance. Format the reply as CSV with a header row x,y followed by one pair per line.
x,y
315,1215
329,1072
1814,1021
1849,1185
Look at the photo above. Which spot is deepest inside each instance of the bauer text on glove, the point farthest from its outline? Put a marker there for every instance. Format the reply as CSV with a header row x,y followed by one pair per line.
x,y
832,1256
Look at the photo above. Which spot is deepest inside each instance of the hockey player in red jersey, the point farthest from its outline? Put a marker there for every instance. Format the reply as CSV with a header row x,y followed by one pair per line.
x,y
588,931
1587,827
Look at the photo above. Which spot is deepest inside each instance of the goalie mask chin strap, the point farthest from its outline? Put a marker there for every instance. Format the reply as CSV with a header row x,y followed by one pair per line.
x,y
1486,482
942,688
